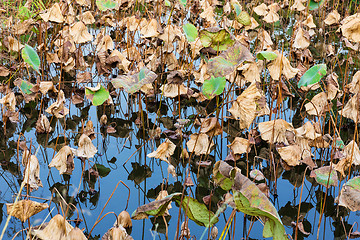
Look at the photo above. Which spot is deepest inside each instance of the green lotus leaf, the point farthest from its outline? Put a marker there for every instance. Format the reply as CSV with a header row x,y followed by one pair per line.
x,y
30,56
313,75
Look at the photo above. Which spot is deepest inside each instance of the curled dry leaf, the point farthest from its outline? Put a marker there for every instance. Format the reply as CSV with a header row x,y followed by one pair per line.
x,y
84,77
281,65
12,44
58,108
307,131
86,18
89,130
332,18
24,209
150,29
47,86
79,33
309,22
318,105
354,85
352,108
261,10
124,220
174,90
164,151
9,101
32,173
350,27
63,161
352,152
86,147
210,126
53,14
290,154
249,105
351,155
199,143
76,234
171,170
349,195
298,6
23,26
301,41
43,124
332,86
272,16
103,43
274,131
4,71
240,145
57,228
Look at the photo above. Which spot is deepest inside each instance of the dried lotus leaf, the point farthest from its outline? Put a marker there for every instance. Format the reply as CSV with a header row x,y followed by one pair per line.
x,y
24,209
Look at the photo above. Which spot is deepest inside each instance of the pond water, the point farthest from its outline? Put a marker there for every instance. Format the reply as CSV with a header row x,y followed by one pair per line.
x,y
124,155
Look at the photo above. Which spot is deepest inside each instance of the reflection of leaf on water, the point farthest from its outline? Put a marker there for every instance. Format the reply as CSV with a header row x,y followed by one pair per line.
x,y
94,197
159,224
330,208
139,173
58,143
60,192
101,169
171,188
295,175
11,168
123,127
289,213
339,232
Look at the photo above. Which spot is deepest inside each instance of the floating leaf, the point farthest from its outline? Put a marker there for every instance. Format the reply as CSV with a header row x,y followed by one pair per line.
x,y
313,5
313,75
322,177
30,56
219,40
250,200
104,5
133,83
191,32
101,169
98,95
213,87
268,55
226,62
349,195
